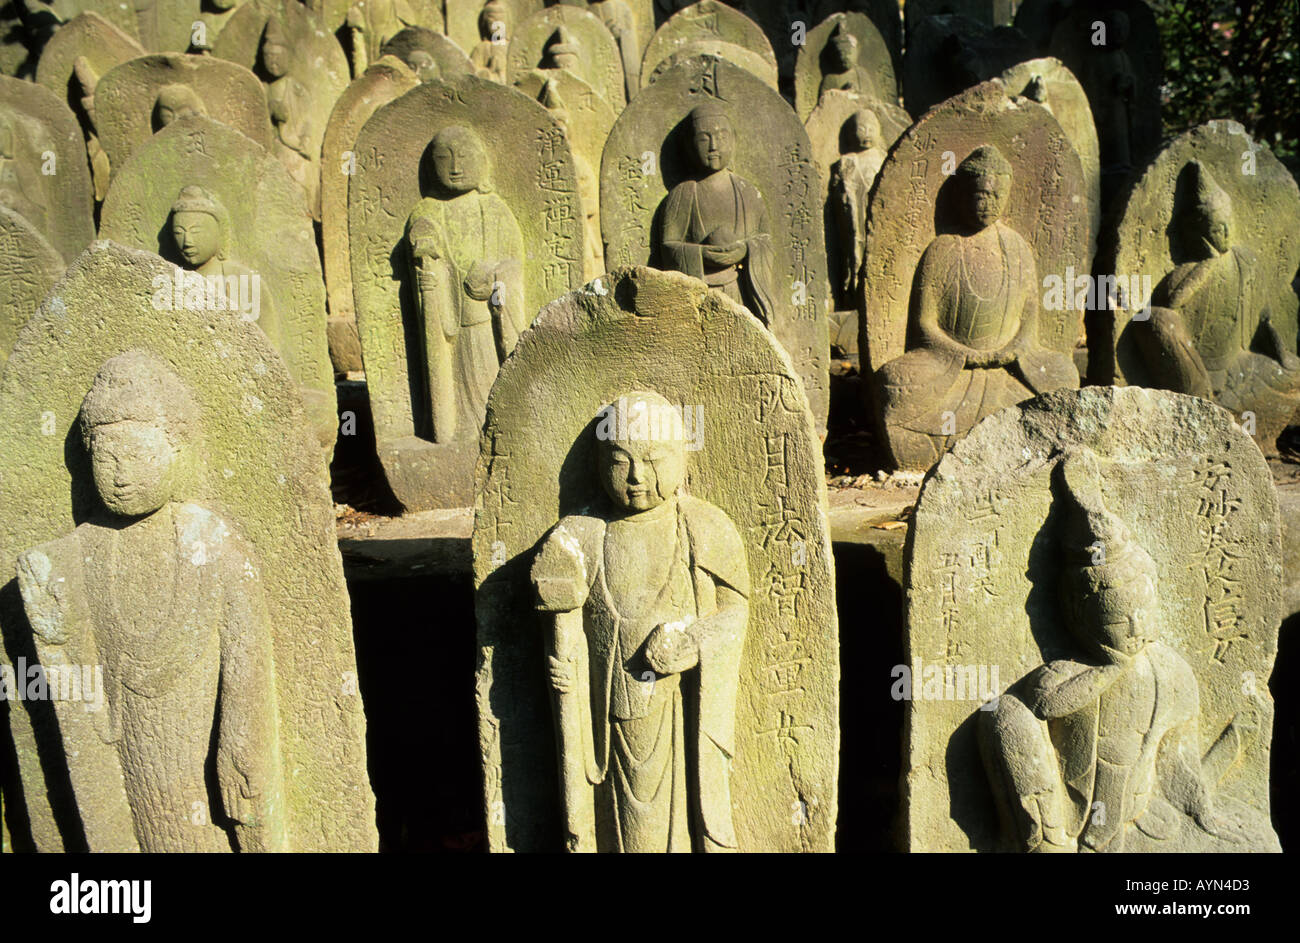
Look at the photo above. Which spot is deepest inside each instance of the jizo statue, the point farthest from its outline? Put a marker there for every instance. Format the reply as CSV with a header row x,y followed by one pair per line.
x,y
489,56
200,231
975,311
851,179
466,254
165,596
1100,751
715,226
289,102
645,600
843,70
176,101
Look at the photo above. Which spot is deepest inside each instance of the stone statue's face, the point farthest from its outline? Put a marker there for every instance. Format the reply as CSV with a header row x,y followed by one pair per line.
x,y
846,50
171,107
642,474
460,165
134,466
276,59
426,70
988,199
866,130
1121,617
197,236
715,143
1215,229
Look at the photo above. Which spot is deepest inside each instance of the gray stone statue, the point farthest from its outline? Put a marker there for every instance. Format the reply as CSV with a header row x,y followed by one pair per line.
x,y
851,179
176,101
489,56
842,70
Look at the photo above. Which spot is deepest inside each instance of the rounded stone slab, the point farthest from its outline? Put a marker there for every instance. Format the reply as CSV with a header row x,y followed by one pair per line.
x,y
532,171
600,64
47,137
381,83
752,62
759,463
261,469
873,54
1046,208
1053,86
983,563
590,116
318,61
102,43
451,62
707,21
333,13
1265,205
126,96
947,54
780,19
270,233
30,269
463,17
644,158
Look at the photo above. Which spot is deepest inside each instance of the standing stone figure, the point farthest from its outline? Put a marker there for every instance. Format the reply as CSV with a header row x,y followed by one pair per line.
x,y
851,179
18,193
1210,333
648,607
466,253
715,226
291,115
1114,726
166,596
975,310
490,55
842,70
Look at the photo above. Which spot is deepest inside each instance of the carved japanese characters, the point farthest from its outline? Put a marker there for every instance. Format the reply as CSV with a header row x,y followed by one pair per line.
x,y
1206,241
43,171
570,38
464,219
652,567
709,172
845,53
185,194
1088,666
977,207
178,541
30,269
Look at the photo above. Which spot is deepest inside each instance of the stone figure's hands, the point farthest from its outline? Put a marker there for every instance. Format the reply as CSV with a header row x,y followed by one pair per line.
x,y
670,649
562,674
729,254
46,597
478,281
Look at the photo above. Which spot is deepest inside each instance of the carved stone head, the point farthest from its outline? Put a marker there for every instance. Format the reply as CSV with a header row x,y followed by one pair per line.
x,y
176,101
199,226
423,65
984,178
561,52
642,447
844,46
864,129
135,423
275,49
460,160
494,12
713,140
1207,217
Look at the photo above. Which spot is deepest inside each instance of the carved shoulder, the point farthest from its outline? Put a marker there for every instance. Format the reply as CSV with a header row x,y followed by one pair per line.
x,y
715,543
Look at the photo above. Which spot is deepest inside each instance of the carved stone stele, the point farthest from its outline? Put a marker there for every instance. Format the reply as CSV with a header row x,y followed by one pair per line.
x,y
707,22
225,597
30,269
846,53
1093,600
665,560
592,53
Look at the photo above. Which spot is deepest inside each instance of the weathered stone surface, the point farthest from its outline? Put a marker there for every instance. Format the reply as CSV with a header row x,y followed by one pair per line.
x,y
470,26
756,669
749,60
448,61
569,38
1114,555
652,164
425,272
385,80
43,171
265,243
157,25
137,98
1053,86
844,53
960,259
30,268
949,53
707,21
214,14
1208,237
632,24
373,23
243,520
779,20
305,72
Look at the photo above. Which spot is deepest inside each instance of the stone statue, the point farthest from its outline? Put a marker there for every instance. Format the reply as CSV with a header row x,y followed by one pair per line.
x,y
851,179
618,18
424,66
176,101
200,231
1210,332
843,70
166,596
372,23
290,105
1100,751
562,52
647,606
466,256
975,311
489,56
715,226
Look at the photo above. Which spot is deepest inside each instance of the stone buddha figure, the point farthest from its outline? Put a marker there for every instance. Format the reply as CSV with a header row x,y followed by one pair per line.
x,y
588,185
973,324
200,232
851,179
165,595
1101,751
423,65
562,51
466,257
715,224
289,102
176,101
1211,333
646,604
841,70
489,56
